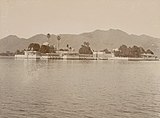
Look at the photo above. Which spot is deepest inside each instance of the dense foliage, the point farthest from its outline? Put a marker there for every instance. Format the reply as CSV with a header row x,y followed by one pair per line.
x,y
34,47
134,51
47,49
85,49
42,48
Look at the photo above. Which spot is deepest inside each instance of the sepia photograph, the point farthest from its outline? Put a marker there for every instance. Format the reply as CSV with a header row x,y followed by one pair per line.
x,y
79,59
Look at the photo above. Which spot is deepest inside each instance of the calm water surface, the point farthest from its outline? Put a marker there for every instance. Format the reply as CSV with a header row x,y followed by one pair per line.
x,y
79,89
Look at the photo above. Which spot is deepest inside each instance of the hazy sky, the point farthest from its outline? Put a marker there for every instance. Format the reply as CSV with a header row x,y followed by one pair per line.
x,y
26,18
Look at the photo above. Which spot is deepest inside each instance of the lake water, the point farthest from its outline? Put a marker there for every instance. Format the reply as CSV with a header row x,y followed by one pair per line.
x,y
79,89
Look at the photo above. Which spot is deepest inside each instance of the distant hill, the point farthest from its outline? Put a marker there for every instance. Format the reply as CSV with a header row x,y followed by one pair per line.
x,y
99,39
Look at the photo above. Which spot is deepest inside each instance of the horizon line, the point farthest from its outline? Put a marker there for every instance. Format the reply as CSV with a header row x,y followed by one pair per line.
x,y
80,33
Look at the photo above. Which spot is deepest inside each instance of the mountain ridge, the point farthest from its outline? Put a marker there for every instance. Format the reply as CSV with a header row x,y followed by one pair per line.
x,y
98,39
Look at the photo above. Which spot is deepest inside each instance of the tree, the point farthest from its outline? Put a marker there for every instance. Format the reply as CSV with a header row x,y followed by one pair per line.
x,y
44,49
149,51
52,49
142,51
58,38
18,52
124,52
67,46
86,44
106,51
34,47
85,49
135,51
48,36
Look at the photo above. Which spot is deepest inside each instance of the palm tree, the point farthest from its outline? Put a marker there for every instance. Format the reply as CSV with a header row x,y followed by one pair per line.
x,y
48,36
67,46
58,38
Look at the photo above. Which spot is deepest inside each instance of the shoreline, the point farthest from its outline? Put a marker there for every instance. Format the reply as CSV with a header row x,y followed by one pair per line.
x,y
85,58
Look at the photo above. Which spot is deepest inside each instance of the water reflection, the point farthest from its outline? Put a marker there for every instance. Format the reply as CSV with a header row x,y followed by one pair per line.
x,y
79,89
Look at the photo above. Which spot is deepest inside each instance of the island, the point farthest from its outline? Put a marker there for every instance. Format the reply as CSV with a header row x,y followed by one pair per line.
x,y
48,51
